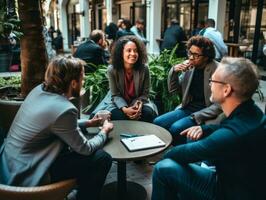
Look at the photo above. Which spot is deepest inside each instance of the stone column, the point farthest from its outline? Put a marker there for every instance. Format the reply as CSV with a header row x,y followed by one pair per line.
x,y
84,18
109,6
63,22
217,10
153,26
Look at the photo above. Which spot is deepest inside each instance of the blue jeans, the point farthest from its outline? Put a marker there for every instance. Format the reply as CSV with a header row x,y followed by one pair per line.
x,y
173,181
176,121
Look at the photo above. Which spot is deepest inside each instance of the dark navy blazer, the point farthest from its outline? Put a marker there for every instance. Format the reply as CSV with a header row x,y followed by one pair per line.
x,y
237,147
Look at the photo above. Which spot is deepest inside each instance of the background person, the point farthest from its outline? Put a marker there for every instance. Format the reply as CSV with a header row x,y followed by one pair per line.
x,y
129,82
111,30
93,51
200,26
45,144
138,30
125,29
191,81
237,146
216,37
174,35
58,42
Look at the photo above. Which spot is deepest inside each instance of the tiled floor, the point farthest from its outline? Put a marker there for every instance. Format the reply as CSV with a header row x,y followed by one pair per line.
x,y
140,173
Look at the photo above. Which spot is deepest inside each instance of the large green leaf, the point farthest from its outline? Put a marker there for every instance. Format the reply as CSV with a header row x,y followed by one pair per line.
x,y
159,68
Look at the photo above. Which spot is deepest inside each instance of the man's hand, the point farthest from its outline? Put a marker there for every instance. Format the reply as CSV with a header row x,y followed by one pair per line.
x,y
95,121
182,67
107,127
193,133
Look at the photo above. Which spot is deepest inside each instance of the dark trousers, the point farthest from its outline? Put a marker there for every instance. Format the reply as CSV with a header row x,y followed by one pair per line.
x,y
176,121
174,181
147,114
90,172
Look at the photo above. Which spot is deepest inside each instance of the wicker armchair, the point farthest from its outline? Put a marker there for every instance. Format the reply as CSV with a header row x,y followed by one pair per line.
x,y
54,191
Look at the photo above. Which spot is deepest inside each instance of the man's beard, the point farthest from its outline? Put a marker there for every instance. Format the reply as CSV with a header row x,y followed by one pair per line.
x,y
76,93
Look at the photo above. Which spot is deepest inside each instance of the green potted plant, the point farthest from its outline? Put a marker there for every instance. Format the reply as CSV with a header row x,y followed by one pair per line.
x,y
96,87
9,88
9,30
159,69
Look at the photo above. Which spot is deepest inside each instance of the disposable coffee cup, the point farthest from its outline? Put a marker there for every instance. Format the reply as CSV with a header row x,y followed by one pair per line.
x,y
104,114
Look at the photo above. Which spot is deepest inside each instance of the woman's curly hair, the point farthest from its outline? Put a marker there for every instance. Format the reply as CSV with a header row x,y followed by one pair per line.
x,y
117,52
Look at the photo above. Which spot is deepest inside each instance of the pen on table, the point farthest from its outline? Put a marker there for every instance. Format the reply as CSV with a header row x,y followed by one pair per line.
x,y
129,135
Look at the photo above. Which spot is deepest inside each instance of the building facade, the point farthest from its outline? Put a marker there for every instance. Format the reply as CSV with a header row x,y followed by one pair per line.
x,y
236,19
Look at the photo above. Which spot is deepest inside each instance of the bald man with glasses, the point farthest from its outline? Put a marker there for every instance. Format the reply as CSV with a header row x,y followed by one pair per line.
x,y
191,81
236,146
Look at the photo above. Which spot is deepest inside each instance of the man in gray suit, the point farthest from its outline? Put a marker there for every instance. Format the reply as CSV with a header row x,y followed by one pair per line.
x,y
45,144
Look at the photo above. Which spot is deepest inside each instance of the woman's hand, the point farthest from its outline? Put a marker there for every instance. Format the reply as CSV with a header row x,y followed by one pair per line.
x,y
138,107
130,111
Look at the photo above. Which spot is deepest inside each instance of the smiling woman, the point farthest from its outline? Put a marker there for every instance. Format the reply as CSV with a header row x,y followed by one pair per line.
x,y
129,82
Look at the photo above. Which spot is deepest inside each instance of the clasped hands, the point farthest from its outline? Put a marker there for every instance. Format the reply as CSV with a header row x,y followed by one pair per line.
x,y
133,112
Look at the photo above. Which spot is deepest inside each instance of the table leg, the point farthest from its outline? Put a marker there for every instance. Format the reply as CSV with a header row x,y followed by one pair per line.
x,y
121,179
123,189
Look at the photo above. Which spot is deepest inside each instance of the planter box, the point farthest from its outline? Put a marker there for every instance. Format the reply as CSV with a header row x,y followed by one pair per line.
x,y
5,61
8,110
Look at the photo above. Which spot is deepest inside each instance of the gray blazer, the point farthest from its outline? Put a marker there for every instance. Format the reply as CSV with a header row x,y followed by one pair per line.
x,y
44,124
181,84
114,98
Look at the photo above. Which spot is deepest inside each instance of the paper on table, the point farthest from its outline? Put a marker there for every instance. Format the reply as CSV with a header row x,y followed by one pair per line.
x,y
142,142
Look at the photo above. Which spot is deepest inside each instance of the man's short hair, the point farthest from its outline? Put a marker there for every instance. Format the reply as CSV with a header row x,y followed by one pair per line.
x,y
127,24
242,75
210,22
140,21
205,44
60,72
174,22
96,35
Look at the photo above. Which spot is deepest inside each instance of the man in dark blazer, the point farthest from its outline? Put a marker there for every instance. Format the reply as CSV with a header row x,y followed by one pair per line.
x,y
172,36
236,147
93,51
45,143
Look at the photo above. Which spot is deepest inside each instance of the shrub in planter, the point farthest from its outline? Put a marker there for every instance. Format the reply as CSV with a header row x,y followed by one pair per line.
x,y
159,68
9,102
9,30
96,87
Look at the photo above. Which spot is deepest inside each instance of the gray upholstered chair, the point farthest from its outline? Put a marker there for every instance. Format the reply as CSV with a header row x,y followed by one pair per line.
x,y
54,191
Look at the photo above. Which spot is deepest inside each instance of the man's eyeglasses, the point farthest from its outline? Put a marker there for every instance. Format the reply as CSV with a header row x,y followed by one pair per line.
x,y
214,81
194,55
